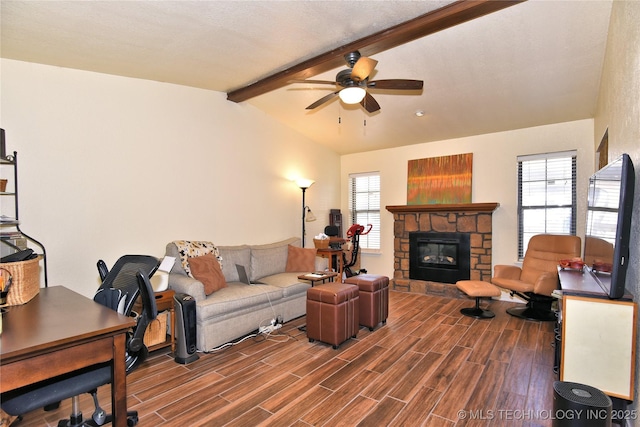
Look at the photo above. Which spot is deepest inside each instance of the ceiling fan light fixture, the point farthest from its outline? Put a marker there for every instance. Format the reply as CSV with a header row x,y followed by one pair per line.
x,y
352,95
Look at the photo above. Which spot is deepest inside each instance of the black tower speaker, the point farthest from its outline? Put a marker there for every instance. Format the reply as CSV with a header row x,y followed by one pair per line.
x,y
335,219
185,309
3,147
580,405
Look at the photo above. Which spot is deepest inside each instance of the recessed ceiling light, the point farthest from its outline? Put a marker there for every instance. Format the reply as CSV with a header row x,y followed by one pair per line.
x,y
419,113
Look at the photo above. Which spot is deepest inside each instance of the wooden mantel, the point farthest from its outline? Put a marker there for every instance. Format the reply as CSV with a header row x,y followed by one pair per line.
x,y
461,207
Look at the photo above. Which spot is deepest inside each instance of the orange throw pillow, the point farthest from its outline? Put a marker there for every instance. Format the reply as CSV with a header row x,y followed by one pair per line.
x,y
206,269
300,259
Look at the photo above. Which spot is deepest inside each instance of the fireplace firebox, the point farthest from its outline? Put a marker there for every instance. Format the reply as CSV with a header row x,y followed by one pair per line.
x,y
439,257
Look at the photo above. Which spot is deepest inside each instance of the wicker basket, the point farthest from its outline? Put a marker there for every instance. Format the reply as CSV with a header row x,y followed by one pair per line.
x,y
25,280
156,332
321,243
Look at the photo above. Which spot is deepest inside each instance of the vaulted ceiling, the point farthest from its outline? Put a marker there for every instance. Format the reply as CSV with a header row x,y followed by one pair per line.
x,y
486,66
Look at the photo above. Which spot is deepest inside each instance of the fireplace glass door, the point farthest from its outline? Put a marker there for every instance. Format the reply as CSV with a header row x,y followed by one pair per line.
x,y
439,257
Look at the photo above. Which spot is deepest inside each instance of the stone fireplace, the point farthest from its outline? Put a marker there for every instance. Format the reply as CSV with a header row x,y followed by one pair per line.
x,y
445,231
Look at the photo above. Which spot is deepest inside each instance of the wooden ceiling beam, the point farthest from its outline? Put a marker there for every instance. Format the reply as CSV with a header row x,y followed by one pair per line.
x,y
429,23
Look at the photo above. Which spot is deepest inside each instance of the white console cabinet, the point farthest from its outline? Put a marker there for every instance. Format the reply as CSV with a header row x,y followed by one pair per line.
x,y
598,337
598,343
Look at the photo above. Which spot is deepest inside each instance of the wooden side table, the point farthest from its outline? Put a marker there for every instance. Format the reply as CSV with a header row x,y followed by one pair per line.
x,y
164,302
329,254
318,277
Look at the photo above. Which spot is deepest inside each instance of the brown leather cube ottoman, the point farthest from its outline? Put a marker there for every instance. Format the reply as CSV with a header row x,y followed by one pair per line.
x,y
374,298
332,313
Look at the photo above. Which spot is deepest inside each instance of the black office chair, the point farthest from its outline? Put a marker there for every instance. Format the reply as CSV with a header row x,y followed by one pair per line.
x,y
127,280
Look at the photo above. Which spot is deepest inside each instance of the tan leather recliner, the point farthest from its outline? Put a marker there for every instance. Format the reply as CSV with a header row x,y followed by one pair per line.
x,y
538,277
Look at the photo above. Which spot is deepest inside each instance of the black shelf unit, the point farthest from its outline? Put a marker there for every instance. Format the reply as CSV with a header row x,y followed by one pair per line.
x,y
7,222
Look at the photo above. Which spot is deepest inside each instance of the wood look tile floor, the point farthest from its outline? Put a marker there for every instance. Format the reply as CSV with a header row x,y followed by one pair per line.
x,y
428,366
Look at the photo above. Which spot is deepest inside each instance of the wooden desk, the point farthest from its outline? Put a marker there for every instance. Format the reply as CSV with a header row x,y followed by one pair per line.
x,y
60,331
330,253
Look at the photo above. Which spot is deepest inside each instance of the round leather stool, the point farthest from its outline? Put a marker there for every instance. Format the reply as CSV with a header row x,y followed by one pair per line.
x,y
478,289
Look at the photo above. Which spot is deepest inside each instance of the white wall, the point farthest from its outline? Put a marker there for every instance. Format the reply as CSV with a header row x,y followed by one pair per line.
x,y
111,165
494,178
619,112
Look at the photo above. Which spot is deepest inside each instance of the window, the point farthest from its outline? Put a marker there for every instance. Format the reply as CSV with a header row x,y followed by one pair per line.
x,y
364,207
546,196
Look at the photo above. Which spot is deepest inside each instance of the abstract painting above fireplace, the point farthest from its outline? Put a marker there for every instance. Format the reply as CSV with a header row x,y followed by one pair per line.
x,y
441,180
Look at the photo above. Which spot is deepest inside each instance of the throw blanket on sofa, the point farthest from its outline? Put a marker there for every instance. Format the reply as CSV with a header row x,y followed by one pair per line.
x,y
189,249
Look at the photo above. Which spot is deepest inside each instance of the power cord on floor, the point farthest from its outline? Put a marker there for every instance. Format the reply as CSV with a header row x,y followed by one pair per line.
x,y
229,344
267,332
271,336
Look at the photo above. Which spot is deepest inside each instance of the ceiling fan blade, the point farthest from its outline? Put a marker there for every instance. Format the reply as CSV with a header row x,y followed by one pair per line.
x,y
363,68
323,82
398,84
322,100
369,103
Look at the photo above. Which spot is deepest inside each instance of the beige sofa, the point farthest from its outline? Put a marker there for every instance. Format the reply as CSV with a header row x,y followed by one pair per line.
x,y
239,309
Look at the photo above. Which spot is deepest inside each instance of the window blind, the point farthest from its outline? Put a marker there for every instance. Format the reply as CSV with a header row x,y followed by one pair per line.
x,y
364,206
546,196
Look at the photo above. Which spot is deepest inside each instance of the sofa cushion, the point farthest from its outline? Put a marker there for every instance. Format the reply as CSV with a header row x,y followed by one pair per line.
x,y
300,259
269,259
288,282
206,269
232,255
237,297
188,249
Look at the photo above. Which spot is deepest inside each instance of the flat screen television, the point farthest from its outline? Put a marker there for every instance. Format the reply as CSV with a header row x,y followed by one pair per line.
x,y
609,209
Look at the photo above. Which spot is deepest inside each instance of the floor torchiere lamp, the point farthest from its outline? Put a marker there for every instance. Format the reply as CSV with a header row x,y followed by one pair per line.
x,y
306,217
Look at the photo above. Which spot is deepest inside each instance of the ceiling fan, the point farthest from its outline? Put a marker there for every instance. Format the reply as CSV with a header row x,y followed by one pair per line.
x,y
354,82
